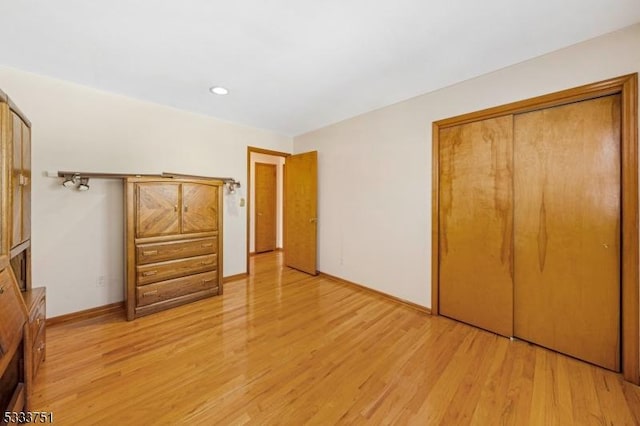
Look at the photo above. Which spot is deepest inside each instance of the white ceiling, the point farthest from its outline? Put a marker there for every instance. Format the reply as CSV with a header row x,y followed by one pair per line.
x,y
291,65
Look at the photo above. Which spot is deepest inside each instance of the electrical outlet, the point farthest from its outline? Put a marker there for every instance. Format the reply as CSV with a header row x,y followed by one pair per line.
x,y
101,281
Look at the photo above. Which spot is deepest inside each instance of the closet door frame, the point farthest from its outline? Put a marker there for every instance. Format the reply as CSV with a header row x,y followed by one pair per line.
x,y
627,87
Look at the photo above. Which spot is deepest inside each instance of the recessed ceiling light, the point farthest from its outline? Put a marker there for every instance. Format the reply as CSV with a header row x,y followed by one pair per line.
x,y
218,90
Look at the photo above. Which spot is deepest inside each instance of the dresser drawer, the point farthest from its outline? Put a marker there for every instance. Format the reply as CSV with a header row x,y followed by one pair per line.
x,y
157,252
162,271
39,349
177,287
37,318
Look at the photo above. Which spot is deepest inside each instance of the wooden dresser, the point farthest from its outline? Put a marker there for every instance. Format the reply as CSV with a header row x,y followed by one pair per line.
x,y
173,240
15,237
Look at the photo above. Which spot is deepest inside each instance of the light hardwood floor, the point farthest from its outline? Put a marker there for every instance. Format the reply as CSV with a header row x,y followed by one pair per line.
x,y
282,347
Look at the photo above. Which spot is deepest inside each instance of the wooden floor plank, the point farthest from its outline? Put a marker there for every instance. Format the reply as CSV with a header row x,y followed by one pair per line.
x,y
282,347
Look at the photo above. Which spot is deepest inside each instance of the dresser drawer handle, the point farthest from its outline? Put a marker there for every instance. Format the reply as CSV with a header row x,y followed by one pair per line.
x,y
149,252
206,245
149,293
206,262
38,321
207,280
149,273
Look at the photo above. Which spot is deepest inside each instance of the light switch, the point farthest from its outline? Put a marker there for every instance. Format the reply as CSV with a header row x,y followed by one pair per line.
x,y
241,202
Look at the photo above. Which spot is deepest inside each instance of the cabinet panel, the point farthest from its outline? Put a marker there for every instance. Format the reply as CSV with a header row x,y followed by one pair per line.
x,y
16,179
200,208
175,268
20,264
157,252
157,209
12,312
26,182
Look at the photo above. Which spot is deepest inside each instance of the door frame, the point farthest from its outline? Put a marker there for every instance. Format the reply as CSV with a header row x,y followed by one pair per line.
x,y
256,150
627,87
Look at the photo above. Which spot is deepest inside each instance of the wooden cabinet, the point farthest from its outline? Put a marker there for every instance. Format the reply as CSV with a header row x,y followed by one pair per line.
x,y
174,208
173,242
15,141
15,250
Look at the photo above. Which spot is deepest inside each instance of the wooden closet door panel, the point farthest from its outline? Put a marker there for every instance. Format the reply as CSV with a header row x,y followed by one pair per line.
x,y
16,187
567,229
26,188
476,224
200,208
157,209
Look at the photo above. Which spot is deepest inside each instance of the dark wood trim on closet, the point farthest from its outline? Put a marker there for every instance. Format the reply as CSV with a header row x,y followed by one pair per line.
x,y
627,86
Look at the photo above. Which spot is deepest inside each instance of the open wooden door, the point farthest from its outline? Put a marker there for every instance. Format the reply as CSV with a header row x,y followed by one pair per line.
x,y
300,212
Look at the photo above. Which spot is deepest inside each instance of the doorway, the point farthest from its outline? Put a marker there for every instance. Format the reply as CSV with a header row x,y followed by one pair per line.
x,y
265,224
298,205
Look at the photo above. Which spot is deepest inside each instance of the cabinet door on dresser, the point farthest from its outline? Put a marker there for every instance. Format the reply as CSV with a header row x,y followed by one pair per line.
x,y
16,188
20,181
26,182
200,208
157,209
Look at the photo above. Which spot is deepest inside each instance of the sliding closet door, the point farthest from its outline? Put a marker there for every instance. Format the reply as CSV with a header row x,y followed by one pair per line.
x,y
476,223
567,229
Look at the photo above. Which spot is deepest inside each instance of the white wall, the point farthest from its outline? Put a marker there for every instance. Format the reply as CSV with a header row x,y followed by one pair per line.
x,y
279,162
375,169
78,236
